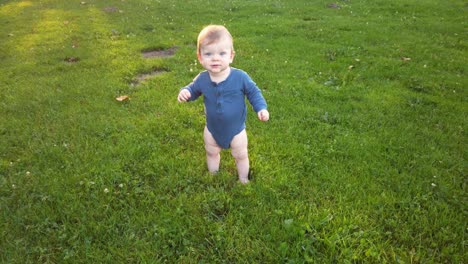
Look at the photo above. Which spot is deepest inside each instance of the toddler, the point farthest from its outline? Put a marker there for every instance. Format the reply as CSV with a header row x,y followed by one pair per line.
x,y
224,90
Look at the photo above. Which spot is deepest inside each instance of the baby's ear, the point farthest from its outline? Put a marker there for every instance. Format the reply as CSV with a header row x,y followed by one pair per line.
x,y
233,53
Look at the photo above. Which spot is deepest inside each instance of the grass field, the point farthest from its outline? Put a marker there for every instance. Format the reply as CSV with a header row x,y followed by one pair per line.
x,y
364,159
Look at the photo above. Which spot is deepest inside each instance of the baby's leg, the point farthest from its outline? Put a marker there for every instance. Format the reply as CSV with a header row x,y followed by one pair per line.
x,y
212,151
240,153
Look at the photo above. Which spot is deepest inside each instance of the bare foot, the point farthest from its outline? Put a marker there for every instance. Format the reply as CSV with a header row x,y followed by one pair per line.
x,y
244,181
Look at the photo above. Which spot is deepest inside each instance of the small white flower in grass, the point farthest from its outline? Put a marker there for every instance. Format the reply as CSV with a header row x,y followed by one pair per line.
x,y
13,186
28,173
121,185
433,185
106,190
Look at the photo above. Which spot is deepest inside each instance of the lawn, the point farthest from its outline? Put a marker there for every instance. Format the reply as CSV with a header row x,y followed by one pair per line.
x,y
363,161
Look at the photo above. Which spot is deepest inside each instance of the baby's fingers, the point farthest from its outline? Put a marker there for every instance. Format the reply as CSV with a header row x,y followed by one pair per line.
x,y
184,95
264,115
180,98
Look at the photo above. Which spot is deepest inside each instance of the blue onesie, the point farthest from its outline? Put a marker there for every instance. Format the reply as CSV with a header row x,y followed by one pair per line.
x,y
225,103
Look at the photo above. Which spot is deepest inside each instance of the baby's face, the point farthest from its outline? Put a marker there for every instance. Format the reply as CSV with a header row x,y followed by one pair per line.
x,y
217,56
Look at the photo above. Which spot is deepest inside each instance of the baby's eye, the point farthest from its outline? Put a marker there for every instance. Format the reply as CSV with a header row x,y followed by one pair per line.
x,y
223,53
208,54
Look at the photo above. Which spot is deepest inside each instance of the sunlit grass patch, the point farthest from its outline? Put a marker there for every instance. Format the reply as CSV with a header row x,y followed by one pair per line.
x,y
363,159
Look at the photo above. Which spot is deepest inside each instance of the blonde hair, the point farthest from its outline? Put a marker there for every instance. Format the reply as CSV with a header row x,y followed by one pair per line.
x,y
211,34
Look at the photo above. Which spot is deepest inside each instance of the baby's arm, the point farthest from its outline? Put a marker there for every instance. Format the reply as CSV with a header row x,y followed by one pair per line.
x,y
263,115
184,95
256,99
190,92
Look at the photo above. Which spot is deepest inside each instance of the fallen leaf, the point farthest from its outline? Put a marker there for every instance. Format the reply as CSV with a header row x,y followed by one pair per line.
x,y
351,67
122,98
405,59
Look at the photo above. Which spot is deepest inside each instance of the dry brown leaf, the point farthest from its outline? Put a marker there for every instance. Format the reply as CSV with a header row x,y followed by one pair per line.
x,y
122,98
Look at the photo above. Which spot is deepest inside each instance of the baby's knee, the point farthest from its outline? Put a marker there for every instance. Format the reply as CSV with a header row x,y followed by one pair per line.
x,y
212,151
240,154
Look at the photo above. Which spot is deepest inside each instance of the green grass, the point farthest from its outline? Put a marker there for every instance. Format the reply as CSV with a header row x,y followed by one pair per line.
x,y
363,161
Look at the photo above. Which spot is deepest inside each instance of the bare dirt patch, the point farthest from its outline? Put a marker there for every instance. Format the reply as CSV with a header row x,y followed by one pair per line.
x,y
334,6
110,9
72,59
146,76
159,53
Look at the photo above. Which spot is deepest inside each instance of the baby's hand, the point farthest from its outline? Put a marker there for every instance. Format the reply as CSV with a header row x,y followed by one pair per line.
x,y
263,115
184,95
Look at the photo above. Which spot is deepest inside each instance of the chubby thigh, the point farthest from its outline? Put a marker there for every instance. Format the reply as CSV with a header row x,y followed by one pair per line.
x,y
238,144
211,147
